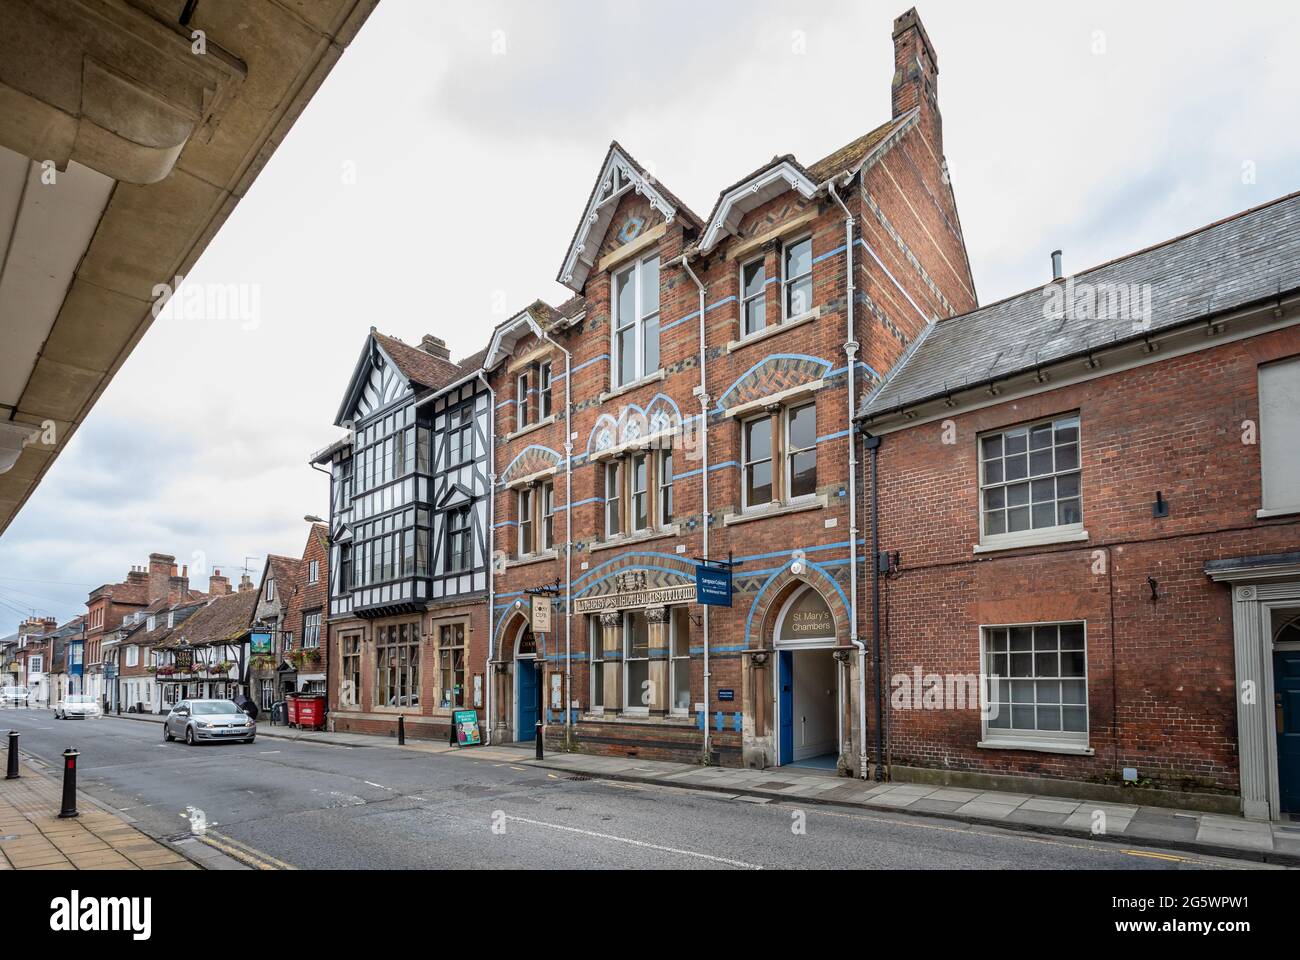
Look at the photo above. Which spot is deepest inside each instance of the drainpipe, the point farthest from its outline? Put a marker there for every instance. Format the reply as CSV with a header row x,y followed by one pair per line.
x,y
850,353
873,444
568,527
703,394
488,677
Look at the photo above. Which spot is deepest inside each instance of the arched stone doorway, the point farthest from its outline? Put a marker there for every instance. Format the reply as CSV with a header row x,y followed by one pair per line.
x,y
807,681
525,686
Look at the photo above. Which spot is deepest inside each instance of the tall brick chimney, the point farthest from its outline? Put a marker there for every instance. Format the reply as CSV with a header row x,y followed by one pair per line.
x,y
161,566
136,575
218,586
245,583
916,76
435,346
178,585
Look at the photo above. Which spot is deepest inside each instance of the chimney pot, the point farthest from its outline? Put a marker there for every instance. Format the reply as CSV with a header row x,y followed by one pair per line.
x,y
1056,265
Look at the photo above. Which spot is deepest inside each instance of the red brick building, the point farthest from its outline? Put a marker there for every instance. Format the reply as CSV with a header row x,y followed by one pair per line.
x,y
694,399
1090,494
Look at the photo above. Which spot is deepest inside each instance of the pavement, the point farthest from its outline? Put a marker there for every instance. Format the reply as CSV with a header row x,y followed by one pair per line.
x,y
1214,835
33,837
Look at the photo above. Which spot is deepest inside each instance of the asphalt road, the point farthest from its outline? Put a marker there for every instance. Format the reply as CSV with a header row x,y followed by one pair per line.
x,y
325,806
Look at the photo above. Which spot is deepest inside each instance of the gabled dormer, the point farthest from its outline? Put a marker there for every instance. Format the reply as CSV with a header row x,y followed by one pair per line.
x,y
627,205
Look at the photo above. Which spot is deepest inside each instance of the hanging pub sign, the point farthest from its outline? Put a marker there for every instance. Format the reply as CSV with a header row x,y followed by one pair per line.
x,y
259,643
468,733
184,658
712,586
541,614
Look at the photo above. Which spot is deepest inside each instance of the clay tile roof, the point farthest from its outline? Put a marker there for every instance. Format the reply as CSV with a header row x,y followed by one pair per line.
x,y
220,620
418,366
851,154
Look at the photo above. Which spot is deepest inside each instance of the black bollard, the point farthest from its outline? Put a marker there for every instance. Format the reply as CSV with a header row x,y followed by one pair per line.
x,y
401,730
12,772
451,734
69,784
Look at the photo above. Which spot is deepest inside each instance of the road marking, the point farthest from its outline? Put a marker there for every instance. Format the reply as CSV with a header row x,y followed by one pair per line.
x,y
638,843
243,852
522,769
1155,856
266,753
379,785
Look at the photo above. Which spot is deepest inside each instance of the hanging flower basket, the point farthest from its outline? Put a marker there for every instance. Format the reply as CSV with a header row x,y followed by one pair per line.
x,y
151,668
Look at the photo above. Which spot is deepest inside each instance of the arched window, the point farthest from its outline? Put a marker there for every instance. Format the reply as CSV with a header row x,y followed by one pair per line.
x,y
805,619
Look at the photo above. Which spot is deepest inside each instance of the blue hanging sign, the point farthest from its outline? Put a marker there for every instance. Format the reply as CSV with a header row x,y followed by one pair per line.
x,y
712,586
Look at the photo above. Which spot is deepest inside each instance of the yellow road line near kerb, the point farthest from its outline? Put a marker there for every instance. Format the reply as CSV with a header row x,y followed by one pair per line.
x,y
1155,856
243,852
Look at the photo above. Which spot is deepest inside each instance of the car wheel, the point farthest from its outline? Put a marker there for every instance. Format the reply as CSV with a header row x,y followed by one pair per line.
x,y
250,739
189,736
167,734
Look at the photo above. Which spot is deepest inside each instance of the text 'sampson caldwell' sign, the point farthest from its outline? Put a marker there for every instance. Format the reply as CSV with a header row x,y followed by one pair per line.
x,y
632,592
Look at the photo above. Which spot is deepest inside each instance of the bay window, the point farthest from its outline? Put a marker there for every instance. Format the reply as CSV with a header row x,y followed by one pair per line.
x,y
635,326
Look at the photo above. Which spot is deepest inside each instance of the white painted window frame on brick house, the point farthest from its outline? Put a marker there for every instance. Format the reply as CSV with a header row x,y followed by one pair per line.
x,y
788,283
1057,533
1042,741
641,321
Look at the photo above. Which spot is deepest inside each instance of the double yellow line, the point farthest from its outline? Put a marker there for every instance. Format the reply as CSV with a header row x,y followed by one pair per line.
x,y
242,852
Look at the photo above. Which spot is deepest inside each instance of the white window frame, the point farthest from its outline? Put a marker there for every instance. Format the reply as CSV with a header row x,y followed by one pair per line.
x,y
596,650
760,297
313,571
1276,430
639,323
270,588
152,624
664,488
614,497
787,282
545,401
133,656
523,409
525,500
629,708
311,630
1057,533
546,516
36,663
1046,741
745,461
788,453
675,615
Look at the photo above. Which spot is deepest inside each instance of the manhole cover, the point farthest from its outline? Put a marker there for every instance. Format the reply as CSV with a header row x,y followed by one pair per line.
x,y
578,778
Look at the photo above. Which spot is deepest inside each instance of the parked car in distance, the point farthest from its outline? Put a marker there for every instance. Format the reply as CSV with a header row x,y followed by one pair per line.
x,y
195,721
13,696
78,705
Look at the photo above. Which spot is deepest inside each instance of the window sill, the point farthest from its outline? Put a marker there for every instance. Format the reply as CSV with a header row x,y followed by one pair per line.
x,y
1265,512
523,431
655,377
777,510
774,330
1016,541
532,558
630,539
1074,747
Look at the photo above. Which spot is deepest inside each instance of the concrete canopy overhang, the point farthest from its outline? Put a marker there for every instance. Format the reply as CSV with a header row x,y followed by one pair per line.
x,y
126,140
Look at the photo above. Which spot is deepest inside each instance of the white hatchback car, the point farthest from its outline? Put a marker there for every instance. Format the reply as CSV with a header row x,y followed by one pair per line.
x,y
13,696
79,706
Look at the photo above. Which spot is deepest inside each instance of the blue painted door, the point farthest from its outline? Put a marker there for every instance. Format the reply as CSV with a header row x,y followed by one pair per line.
x,y
526,701
1286,683
785,706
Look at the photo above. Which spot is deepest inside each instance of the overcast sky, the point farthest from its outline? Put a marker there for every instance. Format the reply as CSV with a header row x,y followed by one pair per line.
x,y
434,182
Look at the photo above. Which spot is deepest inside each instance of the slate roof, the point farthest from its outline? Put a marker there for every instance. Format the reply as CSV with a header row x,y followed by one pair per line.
x,y
1248,258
